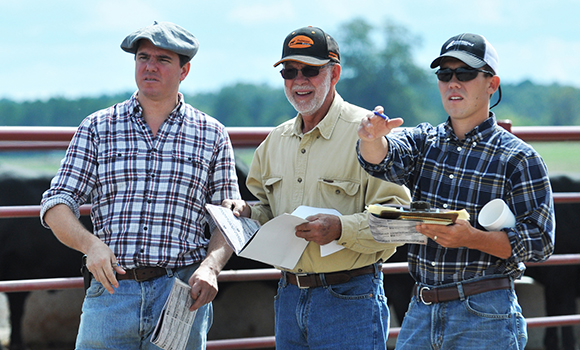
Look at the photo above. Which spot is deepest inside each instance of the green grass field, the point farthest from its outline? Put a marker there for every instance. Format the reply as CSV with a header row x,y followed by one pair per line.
x,y
560,157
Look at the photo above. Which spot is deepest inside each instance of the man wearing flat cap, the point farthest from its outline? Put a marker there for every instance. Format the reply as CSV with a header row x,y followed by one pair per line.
x,y
148,165
333,301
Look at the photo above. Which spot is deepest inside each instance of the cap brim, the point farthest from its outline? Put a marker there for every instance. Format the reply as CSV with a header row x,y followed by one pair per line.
x,y
466,58
311,61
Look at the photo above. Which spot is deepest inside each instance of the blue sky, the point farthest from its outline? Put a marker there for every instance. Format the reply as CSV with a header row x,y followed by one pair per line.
x,y
71,48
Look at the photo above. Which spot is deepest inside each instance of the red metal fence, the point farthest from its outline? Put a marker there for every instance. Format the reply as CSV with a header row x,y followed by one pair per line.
x,y
37,138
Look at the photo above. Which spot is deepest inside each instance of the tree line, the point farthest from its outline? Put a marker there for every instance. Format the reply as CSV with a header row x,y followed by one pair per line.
x,y
374,72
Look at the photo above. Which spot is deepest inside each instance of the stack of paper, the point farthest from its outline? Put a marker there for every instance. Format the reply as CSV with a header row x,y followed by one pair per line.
x,y
397,225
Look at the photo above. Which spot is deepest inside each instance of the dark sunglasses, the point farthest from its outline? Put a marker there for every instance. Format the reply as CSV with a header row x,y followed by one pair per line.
x,y
462,73
307,71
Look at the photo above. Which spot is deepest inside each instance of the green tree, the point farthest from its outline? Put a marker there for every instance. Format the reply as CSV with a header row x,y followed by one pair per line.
x,y
246,105
385,74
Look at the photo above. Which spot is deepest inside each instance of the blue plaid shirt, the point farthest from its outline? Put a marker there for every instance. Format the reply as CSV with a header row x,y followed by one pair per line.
x,y
454,174
148,193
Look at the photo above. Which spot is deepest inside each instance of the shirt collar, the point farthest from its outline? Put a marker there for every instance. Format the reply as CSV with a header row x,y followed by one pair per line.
x,y
177,112
478,133
326,126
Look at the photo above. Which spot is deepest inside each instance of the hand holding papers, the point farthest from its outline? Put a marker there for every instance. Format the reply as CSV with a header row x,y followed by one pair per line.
x,y
275,243
237,231
396,225
174,325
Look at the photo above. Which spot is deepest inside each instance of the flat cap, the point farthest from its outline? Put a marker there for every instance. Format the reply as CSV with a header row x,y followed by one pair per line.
x,y
164,35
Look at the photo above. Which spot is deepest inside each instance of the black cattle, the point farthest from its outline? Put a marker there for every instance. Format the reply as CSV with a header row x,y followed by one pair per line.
x,y
562,283
30,251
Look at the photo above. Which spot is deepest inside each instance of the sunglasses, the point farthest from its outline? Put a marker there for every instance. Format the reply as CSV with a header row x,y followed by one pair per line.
x,y
307,71
462,73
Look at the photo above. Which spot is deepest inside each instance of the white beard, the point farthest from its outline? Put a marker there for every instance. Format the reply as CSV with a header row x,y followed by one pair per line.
x,y
310,107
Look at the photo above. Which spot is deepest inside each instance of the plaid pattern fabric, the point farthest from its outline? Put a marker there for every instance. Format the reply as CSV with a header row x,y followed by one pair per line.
x,y
454,174
148,193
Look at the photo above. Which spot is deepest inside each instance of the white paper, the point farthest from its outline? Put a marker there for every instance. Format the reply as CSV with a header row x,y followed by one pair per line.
x,y
395,231
275,243
174,325
239,230
304,211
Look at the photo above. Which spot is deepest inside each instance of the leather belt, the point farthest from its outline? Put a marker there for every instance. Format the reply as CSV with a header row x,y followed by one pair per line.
x,y
141,274
312,280
437,295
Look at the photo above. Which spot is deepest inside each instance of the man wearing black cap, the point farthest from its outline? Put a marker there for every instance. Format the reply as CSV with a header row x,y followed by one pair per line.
x,y
148,165
335,301
464,294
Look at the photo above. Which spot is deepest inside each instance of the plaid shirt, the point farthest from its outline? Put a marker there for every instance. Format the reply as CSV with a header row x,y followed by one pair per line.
x,y
454,174
148,193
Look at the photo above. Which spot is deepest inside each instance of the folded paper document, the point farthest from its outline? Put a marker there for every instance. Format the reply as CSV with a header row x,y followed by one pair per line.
x,y
390,224
275,243
174,325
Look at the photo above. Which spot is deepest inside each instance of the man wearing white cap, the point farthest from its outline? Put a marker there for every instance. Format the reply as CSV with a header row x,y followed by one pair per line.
x,y
335,301
148,165
464,295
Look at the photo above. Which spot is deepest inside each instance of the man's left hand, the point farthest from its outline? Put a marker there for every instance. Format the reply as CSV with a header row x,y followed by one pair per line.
x,y
204,286
320,229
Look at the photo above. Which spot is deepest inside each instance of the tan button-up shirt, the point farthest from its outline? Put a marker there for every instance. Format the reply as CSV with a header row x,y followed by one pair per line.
x,y
320,169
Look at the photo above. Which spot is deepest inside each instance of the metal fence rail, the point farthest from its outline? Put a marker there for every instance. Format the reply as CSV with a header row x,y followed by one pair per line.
x,y
28,137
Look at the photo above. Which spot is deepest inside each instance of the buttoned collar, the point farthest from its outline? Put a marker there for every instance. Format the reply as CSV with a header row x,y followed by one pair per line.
x,y
326,126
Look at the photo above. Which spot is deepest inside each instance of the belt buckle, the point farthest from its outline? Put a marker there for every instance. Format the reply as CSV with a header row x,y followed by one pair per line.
x,y
298,275
136,275
421,295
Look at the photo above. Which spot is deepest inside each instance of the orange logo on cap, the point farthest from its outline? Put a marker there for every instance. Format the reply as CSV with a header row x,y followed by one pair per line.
x,y
300,42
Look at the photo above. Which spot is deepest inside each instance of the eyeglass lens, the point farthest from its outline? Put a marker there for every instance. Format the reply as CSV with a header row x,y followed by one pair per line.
x,y
462,74
307,71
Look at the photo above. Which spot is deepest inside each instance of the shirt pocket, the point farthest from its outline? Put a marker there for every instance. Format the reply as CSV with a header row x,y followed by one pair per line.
x,y
340,194
273,189
190,177
117,170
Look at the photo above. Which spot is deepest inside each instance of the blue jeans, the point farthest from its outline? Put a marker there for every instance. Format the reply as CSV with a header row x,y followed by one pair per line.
x,y
352,315
490,320
126,319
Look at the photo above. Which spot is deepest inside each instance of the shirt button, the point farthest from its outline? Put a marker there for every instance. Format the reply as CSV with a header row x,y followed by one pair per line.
x,y
445,206
299,180
433,263
337,191
451,176
303,151
474,144
458,149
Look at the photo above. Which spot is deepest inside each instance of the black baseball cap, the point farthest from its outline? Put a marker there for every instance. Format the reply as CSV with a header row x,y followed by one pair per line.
x,y
472,49
311,46
164,35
